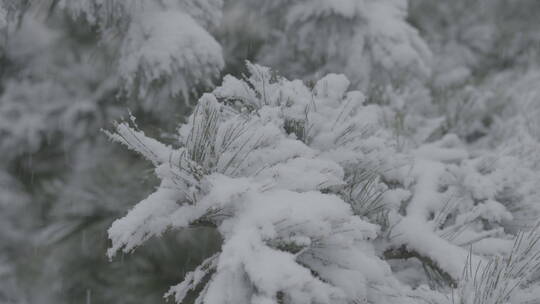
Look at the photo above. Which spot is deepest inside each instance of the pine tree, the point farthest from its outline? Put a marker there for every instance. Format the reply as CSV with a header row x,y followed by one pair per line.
x,y
360,201
412,178
371,42
284,239
61,81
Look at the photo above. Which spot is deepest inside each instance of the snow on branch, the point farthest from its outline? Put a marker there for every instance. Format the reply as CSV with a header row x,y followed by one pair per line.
x,y
275,197
313,199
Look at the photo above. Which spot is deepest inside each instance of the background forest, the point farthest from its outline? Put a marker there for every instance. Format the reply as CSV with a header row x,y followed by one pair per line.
x,y
301,151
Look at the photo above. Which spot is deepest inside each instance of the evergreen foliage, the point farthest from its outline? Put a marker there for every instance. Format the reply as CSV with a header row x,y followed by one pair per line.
x,y
306,151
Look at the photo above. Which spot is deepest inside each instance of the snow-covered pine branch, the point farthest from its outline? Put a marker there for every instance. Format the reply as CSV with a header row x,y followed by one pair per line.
x,y
66,68
310,179
164,45
159,47
371,42
433,167
509,279
237,168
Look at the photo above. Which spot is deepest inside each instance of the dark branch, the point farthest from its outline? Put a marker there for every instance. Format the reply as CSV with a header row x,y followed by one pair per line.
x,y
404,253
